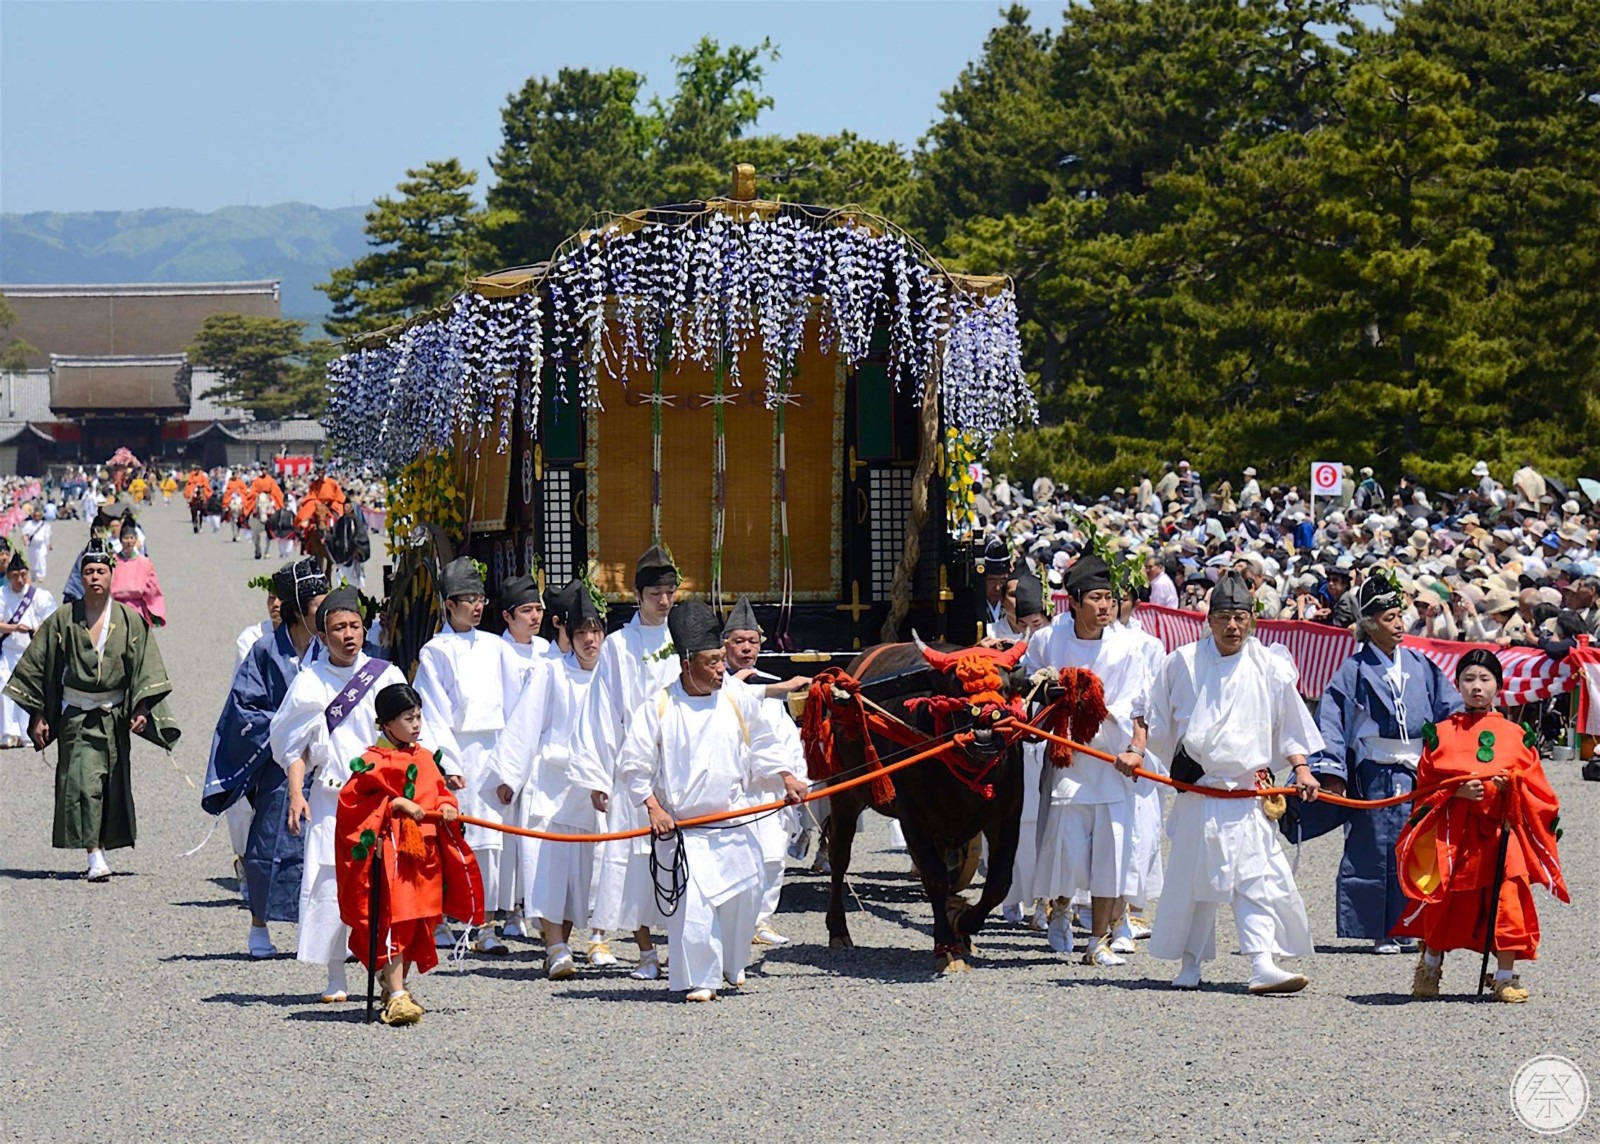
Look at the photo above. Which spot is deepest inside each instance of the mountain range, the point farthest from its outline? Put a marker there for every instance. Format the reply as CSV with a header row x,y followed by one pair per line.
x,y
294,242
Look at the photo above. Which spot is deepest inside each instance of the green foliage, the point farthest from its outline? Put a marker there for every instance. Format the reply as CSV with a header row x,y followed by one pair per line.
x,y
583,144
1238,238
426,245
697,130
832,170
1243,231
570,147
263,366
14,351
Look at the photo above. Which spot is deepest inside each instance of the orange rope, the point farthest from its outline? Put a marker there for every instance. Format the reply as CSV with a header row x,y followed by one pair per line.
x,y
1014,729
1252,792
720,816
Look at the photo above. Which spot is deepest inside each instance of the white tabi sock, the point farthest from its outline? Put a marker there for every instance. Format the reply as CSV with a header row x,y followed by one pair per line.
x,y
1262,964
1502,975
1433,958
336,977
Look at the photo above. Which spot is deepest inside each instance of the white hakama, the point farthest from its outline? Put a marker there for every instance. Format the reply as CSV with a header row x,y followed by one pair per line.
x,y
1024,869
535,750
38,534
773,828
636,662
1086,838
1149,800
1234,716
468,681
701,755
13,719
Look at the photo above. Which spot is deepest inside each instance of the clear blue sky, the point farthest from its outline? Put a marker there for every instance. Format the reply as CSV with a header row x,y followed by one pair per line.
x,y
202,105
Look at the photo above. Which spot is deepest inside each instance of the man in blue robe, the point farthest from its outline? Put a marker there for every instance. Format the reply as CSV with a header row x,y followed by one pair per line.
x,y
1371,719
241,763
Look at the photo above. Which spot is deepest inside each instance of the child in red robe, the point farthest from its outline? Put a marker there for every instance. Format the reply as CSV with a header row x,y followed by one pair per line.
x,y
427,868
1450,848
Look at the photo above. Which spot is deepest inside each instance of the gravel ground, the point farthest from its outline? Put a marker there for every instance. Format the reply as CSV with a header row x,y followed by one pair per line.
x,y
135,1013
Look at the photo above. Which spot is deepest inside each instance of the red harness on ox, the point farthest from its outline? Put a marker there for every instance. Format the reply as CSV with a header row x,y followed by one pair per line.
x,y
981,672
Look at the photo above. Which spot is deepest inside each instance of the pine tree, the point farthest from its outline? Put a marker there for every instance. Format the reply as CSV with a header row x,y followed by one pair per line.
x,y
426,245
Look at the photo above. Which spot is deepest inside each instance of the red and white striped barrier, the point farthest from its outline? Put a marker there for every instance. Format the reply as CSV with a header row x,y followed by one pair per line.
x,y
1318,650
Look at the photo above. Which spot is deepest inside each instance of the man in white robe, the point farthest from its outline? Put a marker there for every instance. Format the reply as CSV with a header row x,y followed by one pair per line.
x,y
635,663
326,720
695,748
1027,592
24,605
522,609
531,766
468,681
741,643
1230,705
1086,837
37,531
1149,814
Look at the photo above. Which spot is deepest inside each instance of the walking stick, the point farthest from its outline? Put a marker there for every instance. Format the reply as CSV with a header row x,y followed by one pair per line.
x,y
1494,900
374,910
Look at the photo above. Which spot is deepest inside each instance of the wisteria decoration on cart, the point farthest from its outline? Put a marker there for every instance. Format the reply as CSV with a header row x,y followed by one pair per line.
x,y
702,286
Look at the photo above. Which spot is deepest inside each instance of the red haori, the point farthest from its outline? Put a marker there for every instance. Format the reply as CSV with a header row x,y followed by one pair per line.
x,y
1448,850
428,870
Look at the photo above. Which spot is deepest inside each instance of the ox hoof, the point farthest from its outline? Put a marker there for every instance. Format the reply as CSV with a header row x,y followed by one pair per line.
x,y
950,964
841,942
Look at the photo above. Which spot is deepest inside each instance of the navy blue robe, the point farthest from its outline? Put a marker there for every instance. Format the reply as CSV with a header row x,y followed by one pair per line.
x,y
1369,899
242,766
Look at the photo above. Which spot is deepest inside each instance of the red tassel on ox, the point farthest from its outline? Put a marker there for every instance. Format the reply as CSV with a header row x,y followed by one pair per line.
x,y
1079,714
824,719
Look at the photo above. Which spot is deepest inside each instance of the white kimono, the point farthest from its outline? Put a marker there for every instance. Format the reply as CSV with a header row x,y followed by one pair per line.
x,y
1086,831
529,653
1149,802
1234,716
300,728
701,754
635,662
773,829
13,719
37,533
247,640
468,682
535,749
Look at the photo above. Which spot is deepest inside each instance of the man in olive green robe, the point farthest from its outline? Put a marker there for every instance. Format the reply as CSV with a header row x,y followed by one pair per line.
x,y
92,677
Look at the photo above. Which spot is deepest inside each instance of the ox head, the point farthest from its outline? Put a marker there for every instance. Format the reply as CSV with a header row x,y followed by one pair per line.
x,y
978,687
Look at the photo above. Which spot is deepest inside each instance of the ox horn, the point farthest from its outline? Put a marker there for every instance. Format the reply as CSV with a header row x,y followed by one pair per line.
x,y
940,660
1013,655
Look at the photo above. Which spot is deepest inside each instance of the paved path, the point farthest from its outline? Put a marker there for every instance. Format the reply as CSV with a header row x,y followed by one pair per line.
x,y
131,1010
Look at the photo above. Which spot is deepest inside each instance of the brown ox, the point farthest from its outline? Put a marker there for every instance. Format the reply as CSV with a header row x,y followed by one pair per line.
x,y
943,802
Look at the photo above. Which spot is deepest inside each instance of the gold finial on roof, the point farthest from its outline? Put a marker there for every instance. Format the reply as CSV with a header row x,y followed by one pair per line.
x,y
744,183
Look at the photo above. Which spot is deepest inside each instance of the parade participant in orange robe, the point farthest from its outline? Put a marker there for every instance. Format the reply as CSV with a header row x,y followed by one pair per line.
x,y
196,480
234,487
428,869
263,484
1450,848
324,489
